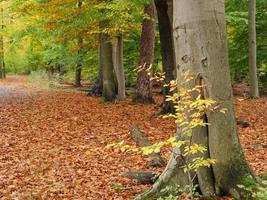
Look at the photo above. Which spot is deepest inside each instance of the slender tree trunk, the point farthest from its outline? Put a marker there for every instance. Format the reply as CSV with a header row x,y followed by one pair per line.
x,y
143,86
109,83
254,86
78,69
117,55
200,46
78,72
166,44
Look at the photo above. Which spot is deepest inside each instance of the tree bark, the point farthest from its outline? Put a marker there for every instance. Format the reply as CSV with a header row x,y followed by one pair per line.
x,y
254,85
143,92
166,44
117,57
200,47
109,83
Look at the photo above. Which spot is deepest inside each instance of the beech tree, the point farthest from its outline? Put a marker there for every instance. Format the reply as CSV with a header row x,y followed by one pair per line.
x,y
112,62
119,21
201,47
254,85
109,83
143,92
117,58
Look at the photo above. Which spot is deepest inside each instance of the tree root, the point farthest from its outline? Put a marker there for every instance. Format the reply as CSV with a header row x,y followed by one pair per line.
x,y
155,158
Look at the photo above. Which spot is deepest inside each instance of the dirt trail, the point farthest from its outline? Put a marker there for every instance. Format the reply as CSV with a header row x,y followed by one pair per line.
x,y
14,87
48,142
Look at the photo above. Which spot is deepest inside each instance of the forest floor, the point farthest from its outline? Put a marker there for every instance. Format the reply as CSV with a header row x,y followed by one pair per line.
x,y
52,142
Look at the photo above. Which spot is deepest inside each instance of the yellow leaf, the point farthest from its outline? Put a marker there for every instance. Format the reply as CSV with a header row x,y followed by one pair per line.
x,y
223,110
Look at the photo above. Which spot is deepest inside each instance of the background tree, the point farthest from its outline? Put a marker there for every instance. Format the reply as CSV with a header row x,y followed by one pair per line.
x,y
117,57
37,35
143,93
166,43
109,83
115,27
254,86
237,21
78,70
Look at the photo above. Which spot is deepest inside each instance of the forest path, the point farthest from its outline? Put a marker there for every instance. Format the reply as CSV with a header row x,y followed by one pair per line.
x,y
49,141
14,87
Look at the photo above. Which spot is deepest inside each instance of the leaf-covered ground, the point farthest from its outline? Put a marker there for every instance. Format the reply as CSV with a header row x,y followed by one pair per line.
x,y
48,142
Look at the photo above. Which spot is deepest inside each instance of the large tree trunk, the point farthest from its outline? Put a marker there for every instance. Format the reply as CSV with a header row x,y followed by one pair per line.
x,y
166,44
109,83
200,46
117,55
143,86
254,86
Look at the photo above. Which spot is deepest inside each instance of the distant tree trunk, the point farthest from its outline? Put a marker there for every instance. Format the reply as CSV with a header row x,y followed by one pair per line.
x,y
109,83
143,86
78,69
166,44
254,85
201,47
117,54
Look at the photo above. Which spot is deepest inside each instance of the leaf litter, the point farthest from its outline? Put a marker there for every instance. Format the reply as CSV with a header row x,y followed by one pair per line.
x,y
52,142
